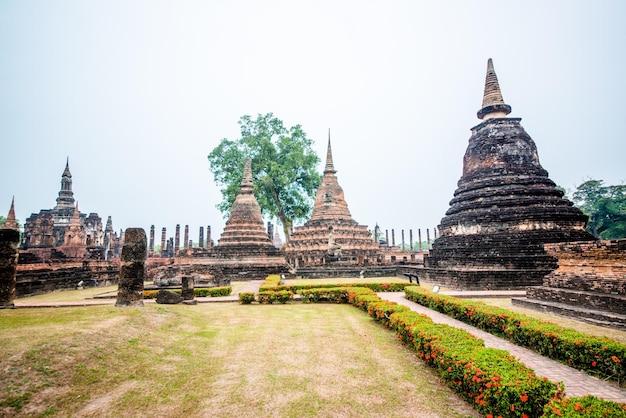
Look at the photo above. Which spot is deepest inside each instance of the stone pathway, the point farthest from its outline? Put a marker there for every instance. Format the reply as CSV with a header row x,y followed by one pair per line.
x,y
576,383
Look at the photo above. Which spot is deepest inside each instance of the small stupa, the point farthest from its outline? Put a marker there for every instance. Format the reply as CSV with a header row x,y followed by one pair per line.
x,y
331,235
504,209
10,222
245,245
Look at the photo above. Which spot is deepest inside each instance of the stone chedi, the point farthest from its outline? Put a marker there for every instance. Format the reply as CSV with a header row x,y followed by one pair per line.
x,y
504,209
9,242
245,244
331,235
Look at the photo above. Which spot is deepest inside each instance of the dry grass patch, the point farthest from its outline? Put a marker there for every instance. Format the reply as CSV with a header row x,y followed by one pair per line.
x,y
212,360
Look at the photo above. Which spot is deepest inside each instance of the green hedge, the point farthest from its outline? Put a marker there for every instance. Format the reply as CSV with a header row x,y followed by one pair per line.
x,y
376,287
269,297
586,406
197,292
595,355
246,298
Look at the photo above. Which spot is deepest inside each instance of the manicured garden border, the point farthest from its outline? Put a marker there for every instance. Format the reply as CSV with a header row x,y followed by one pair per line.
x,y
272,282
198,292
595,355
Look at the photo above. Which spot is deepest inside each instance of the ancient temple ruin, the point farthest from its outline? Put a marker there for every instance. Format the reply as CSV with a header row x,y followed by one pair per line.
x,y
331,236
64,228
504,209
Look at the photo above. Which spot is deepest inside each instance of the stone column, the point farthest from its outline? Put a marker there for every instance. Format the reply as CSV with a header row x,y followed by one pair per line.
x,y
151,247
435,232
411,239
130,289
201,238
177,239
419,238
186,242
393,237
209,243
427,239
403,240
187,288
163,247
9,253
387,237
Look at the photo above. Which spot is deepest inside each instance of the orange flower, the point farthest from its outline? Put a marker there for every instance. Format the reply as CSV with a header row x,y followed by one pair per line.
x,y
578,406
512,408
524,398
524,416
449,369
593,364
615,359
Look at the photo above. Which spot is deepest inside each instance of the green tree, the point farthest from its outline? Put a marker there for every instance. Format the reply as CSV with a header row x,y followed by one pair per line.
x,y
605,206
284,168
2,219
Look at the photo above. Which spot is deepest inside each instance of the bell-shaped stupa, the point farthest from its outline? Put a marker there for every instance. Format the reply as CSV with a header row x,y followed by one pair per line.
x,y
331,235
245,230
504,209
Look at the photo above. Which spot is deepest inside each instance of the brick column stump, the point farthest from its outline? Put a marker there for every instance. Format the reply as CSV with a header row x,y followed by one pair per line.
x,y
132,272
9,241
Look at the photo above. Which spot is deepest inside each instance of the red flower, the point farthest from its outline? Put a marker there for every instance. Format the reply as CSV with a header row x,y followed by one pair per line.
x,y
593,364
578,406
512,408
449,369
524,398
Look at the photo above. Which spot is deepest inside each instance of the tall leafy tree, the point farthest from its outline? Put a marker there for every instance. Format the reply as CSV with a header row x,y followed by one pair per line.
x,y
605,206
284,168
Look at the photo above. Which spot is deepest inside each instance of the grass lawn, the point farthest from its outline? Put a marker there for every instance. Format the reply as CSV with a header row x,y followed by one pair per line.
x,y
346,280
212,360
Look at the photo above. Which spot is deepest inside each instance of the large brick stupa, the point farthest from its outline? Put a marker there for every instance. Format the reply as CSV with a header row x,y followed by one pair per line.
x,y
504,209
331,236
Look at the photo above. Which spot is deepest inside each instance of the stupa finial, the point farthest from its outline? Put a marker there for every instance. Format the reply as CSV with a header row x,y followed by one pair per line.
x,y
330,168
246,180
10,222
493,103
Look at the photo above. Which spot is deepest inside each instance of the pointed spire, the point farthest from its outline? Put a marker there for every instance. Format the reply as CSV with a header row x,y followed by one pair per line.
x,y
66,172
330,168
76,216
10,222
493,103
246,180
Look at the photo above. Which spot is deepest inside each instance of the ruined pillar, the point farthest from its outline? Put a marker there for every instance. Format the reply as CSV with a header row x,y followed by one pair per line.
x,y
187,288
190,245
130,289
419,239
9,253
177,239
186,241
427,239
403,240
151,246
163,247
387,237
393,237
209,242
201,238
435,232
270,231
411,238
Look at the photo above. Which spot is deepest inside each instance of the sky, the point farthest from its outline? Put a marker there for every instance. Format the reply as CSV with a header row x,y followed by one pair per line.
x,y
137,93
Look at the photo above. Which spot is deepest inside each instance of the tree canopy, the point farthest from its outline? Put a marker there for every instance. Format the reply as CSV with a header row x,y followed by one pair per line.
x,y
284,168
605,206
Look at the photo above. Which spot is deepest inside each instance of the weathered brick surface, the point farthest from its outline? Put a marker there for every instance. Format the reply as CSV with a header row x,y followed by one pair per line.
x,y
590,275
504,209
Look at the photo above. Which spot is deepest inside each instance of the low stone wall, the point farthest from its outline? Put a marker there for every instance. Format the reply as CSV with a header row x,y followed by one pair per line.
x,y
492,279
35,279
589,284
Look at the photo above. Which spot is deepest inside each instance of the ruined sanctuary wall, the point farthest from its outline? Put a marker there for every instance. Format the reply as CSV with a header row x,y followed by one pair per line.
x,y
35,279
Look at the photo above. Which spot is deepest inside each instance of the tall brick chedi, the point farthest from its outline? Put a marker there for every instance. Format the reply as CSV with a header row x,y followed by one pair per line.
x,y
504,209
330,234
9,242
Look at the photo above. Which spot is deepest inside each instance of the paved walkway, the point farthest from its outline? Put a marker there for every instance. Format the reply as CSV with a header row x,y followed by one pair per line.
x,y
576,383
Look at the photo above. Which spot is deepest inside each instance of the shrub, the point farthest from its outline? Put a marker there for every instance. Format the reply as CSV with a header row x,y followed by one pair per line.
x,y
213,291
595,355
587,406
377,287
269,297
246,298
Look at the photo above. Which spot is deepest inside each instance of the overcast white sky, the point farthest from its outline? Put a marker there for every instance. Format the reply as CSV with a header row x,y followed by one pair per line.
x,y
137,93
